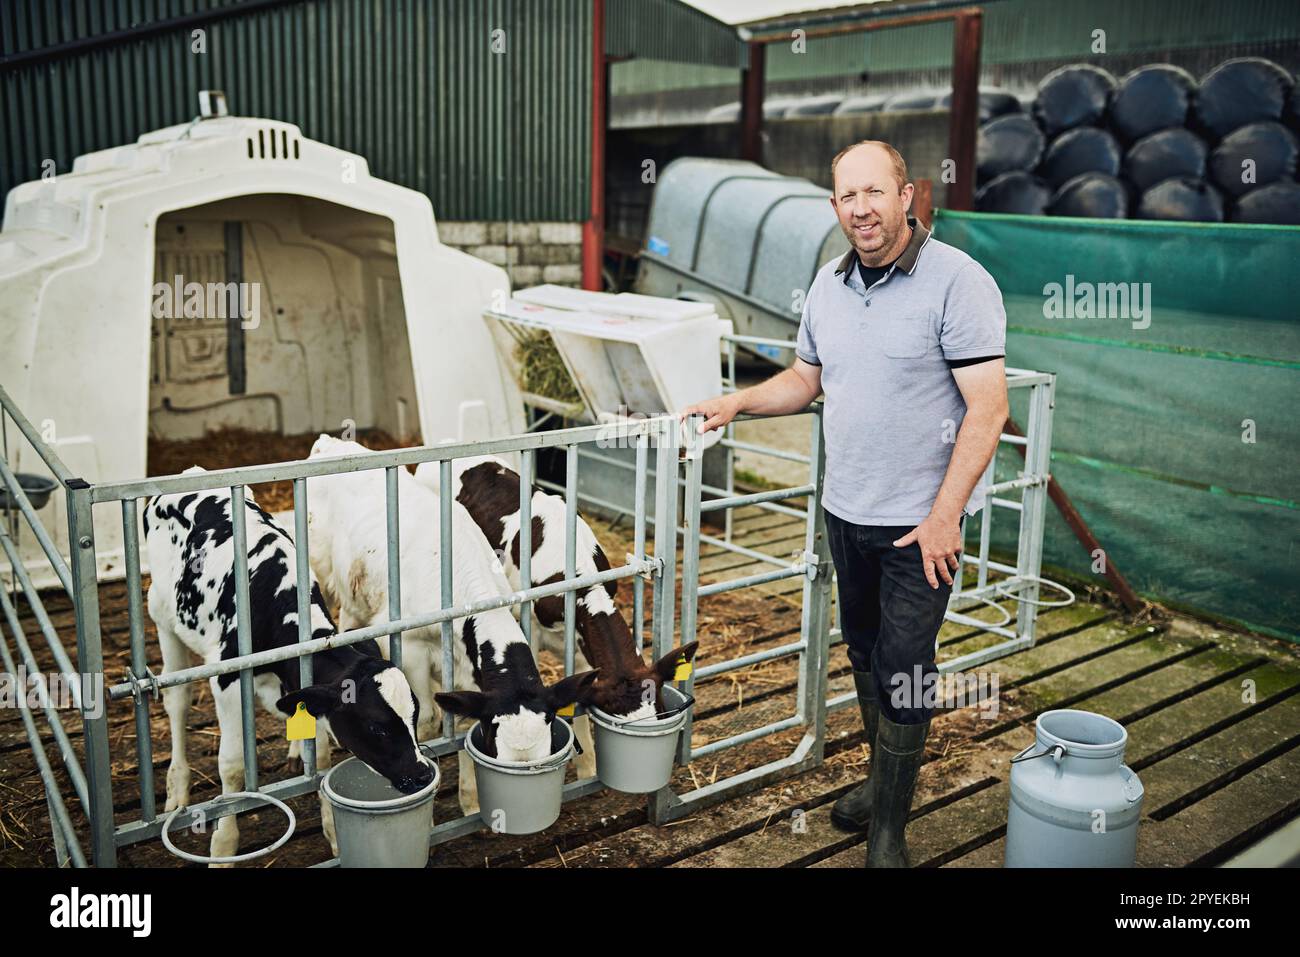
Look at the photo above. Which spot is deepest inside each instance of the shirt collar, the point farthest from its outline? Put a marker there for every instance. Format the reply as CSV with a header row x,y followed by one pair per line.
x,y
906,260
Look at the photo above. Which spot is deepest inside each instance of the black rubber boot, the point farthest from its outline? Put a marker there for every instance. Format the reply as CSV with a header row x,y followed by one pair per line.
x,y
852,812
898,753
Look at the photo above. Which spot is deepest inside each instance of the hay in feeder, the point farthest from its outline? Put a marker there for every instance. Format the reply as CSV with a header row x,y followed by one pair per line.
x,y
542,370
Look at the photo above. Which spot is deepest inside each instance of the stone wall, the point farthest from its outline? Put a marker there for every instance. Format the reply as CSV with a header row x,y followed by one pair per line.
x,y
532,253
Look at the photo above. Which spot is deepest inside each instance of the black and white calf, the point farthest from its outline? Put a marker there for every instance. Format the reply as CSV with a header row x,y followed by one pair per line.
x,y
495,676
359,699
626,686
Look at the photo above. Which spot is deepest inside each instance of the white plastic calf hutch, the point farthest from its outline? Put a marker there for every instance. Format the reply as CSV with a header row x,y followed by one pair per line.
x,y
310,295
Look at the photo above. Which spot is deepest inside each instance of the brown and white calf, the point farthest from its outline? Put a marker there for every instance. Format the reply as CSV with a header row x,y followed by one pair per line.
x,y
496,678
190,541
626,685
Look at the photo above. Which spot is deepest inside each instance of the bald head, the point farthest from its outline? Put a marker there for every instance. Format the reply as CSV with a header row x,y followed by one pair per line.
x,y
871,197
897,165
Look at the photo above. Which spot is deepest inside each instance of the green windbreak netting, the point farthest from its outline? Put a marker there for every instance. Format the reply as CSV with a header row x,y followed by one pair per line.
x,y
1177,426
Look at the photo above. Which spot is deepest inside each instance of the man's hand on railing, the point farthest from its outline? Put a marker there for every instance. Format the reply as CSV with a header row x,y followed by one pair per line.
x,y
718,412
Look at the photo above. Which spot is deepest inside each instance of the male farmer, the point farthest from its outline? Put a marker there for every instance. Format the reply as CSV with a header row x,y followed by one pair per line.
x,y
906,337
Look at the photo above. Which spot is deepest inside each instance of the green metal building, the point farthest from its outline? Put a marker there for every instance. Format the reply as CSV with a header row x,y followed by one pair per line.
x,y
485,105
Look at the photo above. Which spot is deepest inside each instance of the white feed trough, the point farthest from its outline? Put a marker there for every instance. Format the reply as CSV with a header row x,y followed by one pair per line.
x,y
615,356
600,358
348,310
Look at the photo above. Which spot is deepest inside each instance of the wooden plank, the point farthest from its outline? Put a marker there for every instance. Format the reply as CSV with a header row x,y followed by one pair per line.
x,y
779,850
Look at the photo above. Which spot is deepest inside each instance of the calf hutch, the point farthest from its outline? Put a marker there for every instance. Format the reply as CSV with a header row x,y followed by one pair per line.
x,y
344,312
243,277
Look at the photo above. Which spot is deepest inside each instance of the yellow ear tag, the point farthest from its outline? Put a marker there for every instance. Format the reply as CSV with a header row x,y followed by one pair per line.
x,y
683,669
567,710
301,726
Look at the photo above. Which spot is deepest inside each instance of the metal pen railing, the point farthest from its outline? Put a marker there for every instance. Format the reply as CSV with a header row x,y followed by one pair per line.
x,y
139,685
815,570
676,470
1020,580
68,847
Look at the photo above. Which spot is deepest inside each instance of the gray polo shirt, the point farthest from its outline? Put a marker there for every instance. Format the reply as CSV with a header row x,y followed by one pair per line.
x,y
892,406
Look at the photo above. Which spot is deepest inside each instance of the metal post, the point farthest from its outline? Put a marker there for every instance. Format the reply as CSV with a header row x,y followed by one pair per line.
x,y
665,539
143,739
731,450
444,588
394,563
963,120
986,528
665,584
526,467
638,542
302,551
570,551
690,562
593,230
1033,512
90,662
814,624
244,633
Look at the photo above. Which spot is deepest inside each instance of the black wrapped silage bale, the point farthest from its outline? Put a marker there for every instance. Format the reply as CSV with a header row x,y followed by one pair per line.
x,y
1007,144
1151,98
911,100
1084,149
1163,155
1093,195
992,104
868,103
1181,198
1269,145
1014,192
1291,115
1074,95
1240,91
1277,203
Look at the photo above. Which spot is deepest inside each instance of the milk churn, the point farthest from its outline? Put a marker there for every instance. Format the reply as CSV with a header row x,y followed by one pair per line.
x,y
1073,801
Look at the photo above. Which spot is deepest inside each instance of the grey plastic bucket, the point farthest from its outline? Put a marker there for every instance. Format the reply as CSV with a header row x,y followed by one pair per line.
x,y
519,797
1073,802
376,824
637,756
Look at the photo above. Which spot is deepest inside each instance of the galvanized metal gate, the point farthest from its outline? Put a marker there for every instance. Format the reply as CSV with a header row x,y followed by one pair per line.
x,y
678,486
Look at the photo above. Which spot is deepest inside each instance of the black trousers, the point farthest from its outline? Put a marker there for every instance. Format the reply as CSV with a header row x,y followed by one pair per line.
x,y
889,615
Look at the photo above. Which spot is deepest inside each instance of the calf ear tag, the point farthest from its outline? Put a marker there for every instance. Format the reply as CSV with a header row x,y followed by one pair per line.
x,y
684,669
300,726
567,710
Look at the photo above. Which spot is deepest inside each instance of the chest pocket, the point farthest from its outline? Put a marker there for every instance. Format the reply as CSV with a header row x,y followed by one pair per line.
x,y
907,336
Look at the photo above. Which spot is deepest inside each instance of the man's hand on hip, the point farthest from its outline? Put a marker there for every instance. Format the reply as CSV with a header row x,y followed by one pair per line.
x,y
940,542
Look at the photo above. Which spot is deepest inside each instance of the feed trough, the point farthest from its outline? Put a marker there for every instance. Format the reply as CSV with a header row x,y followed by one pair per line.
x,y
521,797
637,756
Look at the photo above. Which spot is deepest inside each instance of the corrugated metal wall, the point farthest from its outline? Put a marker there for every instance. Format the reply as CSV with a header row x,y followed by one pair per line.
x,y
412,85
669,30
1015,32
